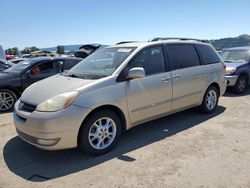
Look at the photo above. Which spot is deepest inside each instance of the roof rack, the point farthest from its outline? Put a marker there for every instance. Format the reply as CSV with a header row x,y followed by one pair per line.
x,y
182,39
124,42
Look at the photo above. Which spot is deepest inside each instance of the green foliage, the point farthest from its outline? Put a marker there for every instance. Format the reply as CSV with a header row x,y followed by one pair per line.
x,y
12,51
60,49
242,40
29,50
33,49
26,51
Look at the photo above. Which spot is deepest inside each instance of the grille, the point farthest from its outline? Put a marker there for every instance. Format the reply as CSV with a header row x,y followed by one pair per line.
x,y
26,107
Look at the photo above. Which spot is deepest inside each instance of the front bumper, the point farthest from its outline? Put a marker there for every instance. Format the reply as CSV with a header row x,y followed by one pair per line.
x,y
231,80
50,130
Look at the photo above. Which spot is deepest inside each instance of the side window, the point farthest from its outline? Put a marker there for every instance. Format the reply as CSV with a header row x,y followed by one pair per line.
x,y
151,59
183,56
50,67
207,54
69,63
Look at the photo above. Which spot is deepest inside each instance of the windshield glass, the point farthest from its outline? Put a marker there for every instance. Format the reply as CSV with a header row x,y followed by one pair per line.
x,y
236,56
102,63
16,68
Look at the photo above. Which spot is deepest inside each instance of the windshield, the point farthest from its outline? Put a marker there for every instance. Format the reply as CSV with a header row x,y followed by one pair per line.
x,y
16,68
236,56
102,63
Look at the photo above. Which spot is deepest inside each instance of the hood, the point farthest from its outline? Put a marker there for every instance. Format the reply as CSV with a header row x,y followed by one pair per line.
x,y
50,87
234,64
6,77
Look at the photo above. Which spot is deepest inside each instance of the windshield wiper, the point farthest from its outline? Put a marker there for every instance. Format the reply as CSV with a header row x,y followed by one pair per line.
x,y
75,75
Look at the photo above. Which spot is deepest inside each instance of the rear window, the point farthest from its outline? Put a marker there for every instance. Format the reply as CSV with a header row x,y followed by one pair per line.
x,y
182,56
207,54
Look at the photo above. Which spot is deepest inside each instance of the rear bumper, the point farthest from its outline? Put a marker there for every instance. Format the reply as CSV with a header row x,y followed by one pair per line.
x,y
50,130
231,80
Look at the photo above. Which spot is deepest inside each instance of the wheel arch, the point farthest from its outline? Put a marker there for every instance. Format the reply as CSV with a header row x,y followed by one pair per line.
x,y
216,85
17,93
113,108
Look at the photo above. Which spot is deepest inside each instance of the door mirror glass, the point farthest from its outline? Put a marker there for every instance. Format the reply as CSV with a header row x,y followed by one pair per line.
x,y
136,72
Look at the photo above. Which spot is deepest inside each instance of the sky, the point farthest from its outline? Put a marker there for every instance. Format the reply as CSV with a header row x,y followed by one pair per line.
x,y
49,23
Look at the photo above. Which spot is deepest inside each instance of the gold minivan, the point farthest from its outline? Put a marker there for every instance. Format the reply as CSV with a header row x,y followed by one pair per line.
x,y
117,88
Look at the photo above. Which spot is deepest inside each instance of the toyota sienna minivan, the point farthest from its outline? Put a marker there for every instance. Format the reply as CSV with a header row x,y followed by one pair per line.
x,y
117,88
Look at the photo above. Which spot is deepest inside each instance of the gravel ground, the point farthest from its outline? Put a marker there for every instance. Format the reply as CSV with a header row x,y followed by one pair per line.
x,y
188,149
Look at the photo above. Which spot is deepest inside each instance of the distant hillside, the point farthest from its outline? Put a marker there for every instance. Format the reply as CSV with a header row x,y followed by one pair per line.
x,y
242,40
66,47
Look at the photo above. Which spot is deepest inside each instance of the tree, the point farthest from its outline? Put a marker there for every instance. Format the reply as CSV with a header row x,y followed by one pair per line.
x,y
26,51
60,49
33,49
12,51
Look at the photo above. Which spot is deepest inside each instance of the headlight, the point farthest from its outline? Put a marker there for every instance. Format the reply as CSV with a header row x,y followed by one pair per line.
x,y
58,102
230,70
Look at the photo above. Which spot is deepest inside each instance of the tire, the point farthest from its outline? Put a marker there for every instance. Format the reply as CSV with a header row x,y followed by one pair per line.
x,y
91,133
241,85
7,100
210,100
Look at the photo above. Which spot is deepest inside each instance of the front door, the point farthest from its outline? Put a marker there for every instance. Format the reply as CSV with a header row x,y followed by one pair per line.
x,y
41,71
150,96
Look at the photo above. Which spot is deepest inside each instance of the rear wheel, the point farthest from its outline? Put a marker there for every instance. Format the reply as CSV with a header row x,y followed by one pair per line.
x,y
7,100
210,100
241,85
100,132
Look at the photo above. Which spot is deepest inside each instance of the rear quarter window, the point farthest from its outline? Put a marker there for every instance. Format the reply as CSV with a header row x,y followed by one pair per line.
x,y
207,54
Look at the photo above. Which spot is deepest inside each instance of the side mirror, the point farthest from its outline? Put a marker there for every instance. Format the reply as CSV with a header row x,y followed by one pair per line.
x,y
136,72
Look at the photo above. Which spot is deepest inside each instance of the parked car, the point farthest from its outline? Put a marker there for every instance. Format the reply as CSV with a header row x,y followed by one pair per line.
x,y
4,64
14,80
237,62
18,60
87,49
117,88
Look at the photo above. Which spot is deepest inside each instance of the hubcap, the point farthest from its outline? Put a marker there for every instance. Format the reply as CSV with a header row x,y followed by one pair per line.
x,y
102,133
242,85
6,101
211,99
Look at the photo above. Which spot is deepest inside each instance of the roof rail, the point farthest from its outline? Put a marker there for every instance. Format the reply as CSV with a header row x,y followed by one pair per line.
x,y
175,38
124,42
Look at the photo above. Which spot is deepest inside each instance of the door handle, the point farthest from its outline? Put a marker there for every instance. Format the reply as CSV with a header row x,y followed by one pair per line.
x,y
165,79
176,77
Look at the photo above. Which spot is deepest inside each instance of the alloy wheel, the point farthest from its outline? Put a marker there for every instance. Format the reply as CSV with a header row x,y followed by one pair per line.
x,y
6,101
102,133
211,99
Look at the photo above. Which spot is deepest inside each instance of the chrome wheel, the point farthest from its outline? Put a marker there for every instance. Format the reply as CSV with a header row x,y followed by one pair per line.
x,y
102,133
6,101
211,100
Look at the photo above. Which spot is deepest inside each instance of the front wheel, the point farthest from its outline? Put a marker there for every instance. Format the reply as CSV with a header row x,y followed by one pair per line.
x,y
7,100
241,85
100,132
210,100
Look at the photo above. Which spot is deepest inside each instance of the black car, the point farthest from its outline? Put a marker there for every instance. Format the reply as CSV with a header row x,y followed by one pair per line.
x,y
88,49
5,65
14,80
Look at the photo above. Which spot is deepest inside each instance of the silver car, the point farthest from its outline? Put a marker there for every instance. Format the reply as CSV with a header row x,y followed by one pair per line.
x,y
117,88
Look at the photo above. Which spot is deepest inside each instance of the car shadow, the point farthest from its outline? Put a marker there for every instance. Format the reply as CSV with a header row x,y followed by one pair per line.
x,y
229,93
38,165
